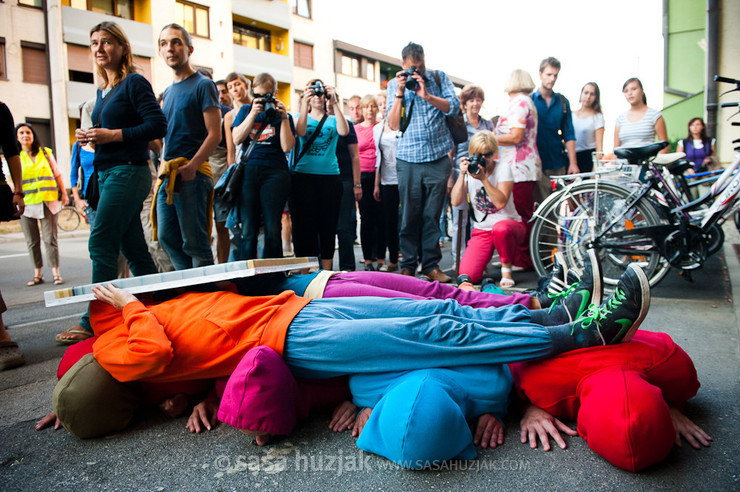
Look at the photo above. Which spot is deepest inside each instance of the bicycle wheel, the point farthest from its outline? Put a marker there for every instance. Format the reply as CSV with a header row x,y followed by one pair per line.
x,y
578,218
69,219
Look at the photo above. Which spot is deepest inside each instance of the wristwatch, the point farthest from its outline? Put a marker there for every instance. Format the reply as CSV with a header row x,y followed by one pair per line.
x,y
358,185
19,193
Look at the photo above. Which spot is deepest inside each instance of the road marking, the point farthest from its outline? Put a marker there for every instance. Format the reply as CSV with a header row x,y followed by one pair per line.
x,y
77,315
13,256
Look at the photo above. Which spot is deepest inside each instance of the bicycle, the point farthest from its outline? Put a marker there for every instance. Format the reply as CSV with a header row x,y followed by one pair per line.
x,y
651,222
70,218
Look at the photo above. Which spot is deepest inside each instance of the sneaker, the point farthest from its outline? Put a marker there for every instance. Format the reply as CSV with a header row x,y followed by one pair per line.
x,y
587,291
549,289
461,279
618,318
439,276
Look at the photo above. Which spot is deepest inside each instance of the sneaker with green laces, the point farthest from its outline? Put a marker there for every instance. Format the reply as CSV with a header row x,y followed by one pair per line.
x,y
618,318
554,284
587,291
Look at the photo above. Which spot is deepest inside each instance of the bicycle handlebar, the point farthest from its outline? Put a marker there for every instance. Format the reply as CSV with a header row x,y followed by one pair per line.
x,y
729,105
726,80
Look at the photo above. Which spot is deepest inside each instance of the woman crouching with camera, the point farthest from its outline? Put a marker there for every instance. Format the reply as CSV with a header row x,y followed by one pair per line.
x,y
266,183
496,224
316,188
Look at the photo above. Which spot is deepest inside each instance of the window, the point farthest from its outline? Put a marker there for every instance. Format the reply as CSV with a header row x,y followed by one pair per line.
x,y
31,3
119,8
194,18
35,68
252,37
301,7
3,68
350,66
43,130
79,64
370,71
303,55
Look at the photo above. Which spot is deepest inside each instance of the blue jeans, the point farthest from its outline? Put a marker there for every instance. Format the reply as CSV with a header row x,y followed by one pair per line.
x,y
117,225
422,188
347,226
264,193
181,227
327,335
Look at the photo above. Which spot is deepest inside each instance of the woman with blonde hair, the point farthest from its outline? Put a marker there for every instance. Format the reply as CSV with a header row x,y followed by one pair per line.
x,y
372,228
126,117
516,135
496,223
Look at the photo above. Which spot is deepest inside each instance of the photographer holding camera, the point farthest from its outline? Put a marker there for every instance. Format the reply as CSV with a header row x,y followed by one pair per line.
x,y
417,104
316,188
266,183
496,224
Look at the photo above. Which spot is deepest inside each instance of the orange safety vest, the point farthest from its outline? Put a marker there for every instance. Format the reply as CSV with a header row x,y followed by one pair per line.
x,y
39,183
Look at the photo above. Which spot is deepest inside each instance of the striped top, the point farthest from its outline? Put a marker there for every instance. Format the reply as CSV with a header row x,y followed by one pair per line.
x,y
639,133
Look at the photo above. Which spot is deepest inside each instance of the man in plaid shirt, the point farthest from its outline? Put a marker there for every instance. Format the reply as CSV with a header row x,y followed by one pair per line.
x,y
421,158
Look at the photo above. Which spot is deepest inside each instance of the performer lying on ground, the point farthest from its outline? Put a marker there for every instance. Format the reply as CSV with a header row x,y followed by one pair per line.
x,y
198,336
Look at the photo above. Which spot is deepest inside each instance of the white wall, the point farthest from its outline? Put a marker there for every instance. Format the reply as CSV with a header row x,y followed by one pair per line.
x,y
729,66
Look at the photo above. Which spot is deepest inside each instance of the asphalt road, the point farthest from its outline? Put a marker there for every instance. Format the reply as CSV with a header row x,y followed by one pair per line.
x,y
159,454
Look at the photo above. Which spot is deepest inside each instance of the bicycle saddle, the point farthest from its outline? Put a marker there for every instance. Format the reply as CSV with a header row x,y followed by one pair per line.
x,y
677,167
640,153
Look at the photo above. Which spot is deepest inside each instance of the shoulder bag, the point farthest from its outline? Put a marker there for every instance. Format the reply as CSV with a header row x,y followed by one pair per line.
x,y
455,123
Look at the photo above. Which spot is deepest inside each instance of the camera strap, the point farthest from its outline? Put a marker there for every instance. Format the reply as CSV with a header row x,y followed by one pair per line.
x,y
256,137
310,141
406,115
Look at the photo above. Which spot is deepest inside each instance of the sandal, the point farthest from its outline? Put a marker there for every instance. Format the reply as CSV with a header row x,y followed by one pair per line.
x,y
36,281
79,335
58,280
506,283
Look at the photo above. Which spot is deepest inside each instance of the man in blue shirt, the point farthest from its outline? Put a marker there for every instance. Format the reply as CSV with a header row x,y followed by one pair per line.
x,y
555,126
421,158
184,208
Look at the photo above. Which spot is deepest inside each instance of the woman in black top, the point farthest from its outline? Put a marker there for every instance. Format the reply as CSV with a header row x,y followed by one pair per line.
x,y
126,117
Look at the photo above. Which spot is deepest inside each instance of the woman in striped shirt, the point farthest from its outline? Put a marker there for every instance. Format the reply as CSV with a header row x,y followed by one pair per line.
x,y
640,124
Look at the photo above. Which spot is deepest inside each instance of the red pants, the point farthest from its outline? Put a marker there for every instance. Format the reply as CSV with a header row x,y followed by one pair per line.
x,y
619,395
506,237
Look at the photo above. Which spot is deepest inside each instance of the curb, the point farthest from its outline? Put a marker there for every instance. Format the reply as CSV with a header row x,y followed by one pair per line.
x,y
14,237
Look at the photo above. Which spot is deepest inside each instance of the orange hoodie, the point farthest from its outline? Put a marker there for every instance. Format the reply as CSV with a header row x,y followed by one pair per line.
x,y
193,336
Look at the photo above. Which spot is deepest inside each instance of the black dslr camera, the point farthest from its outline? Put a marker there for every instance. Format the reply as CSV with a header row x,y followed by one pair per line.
x,y
476,163
269,106
411,83
318,89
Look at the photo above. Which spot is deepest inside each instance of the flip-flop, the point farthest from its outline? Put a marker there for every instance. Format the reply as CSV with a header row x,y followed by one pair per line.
x,y
83,335
58,280
10,356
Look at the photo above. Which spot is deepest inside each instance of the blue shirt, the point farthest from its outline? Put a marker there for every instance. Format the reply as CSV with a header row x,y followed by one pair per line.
x,y
321,158
427,137
267,152
184,103
462,148
550,121
85,162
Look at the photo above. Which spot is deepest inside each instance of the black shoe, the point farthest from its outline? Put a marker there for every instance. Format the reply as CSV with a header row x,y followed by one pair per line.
x,y
461,279
618,318
582,294
369,267
549,289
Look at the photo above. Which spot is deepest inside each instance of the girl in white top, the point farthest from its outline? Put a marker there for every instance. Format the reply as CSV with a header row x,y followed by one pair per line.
x,y
496,223
588,123
639,125
386,187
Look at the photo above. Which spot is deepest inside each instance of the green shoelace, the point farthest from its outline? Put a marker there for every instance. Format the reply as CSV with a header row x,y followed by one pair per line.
x,y
596,314
561,295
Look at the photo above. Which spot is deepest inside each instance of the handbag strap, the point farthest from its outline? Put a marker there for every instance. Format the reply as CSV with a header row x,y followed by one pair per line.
x,y
310,140
104,101
245,155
